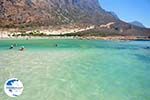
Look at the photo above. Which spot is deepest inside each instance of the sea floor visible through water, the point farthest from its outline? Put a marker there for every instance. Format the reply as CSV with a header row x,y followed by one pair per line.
x,y
72,69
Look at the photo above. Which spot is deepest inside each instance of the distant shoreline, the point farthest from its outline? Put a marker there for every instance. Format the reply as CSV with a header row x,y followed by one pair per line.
x,y
69,32
123,38
118,38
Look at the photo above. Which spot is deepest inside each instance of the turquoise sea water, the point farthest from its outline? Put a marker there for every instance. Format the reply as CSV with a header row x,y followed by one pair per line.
x,y
77,69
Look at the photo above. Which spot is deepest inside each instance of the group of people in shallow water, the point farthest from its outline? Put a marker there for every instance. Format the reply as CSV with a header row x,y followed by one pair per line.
x,y
14,45
22,48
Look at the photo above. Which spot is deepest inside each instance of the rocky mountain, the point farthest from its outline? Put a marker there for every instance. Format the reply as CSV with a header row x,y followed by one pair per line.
x,y
136,23
36,13
51,12
114,14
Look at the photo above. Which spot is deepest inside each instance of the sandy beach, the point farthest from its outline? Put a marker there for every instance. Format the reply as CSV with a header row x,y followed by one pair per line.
x,y
5,36
60,34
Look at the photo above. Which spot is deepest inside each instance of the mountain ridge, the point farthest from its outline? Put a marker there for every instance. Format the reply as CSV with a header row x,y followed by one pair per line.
x,y
137,23
50,12
37,13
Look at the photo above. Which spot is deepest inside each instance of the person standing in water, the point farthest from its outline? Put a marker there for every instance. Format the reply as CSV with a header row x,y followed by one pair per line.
x,y
22,48
11,47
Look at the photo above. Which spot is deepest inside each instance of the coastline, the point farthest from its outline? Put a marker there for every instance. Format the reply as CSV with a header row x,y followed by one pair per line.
x,y
120,38
69,32
123,38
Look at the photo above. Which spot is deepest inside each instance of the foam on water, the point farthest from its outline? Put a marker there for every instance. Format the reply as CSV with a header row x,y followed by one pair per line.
x,y
77,69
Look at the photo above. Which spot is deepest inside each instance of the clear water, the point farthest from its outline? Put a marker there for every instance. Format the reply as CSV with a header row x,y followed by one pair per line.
x,y
77,69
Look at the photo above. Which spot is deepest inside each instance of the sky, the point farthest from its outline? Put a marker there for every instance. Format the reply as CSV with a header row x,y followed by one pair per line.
x,y
129,10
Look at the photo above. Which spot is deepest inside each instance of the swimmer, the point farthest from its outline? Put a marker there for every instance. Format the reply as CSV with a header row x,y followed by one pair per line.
x,y
11,47
22,48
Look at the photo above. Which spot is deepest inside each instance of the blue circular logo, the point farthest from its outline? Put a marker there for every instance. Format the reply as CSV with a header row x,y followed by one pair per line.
x,y
13,87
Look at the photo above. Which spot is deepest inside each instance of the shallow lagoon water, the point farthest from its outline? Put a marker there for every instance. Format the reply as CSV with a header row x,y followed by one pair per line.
x,y
77,69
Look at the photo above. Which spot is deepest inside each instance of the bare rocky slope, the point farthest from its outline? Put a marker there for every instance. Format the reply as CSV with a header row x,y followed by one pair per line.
x,y
137,23
36,13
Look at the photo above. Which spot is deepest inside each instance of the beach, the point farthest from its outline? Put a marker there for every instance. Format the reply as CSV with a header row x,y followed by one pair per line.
x,y
123,38
64,32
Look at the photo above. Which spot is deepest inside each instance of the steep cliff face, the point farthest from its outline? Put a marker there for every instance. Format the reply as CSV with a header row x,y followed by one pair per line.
x,y
14,13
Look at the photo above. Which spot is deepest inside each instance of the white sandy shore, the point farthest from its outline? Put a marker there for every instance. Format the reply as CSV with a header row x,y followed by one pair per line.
x,y
122,38
4,34
8,33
